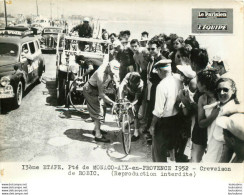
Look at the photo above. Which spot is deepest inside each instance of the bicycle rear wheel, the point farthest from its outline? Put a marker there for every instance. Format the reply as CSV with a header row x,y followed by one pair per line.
x,y
126,133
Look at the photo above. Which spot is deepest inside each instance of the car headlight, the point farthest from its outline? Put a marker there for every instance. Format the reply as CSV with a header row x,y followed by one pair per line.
x,y
5,81
74,68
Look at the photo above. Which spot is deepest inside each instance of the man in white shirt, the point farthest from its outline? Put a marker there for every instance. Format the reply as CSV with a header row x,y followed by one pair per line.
x,y
165,115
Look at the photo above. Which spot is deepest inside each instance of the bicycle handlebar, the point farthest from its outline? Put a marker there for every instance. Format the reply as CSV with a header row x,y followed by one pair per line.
x,y
124,103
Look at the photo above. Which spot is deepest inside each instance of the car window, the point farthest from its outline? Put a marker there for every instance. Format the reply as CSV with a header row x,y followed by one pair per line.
x,y
8,49
24,47
32,47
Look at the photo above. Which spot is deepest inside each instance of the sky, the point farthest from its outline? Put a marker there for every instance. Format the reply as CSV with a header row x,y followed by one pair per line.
x,y
154,16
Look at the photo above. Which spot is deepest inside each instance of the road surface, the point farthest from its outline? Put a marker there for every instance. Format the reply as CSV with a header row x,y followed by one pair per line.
x,y
35,132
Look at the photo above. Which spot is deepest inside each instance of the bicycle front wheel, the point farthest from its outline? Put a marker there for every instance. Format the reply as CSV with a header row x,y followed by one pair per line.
x,y
126,133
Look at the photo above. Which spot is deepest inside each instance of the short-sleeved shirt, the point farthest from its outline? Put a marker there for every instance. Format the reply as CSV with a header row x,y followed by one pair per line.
x,y
166,96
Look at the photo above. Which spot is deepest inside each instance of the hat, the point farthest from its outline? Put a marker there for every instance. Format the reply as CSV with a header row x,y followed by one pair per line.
x,y
165,63
233,123
134,82
86,19
187,71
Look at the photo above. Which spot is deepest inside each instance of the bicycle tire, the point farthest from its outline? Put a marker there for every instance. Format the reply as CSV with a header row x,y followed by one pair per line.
x,y
126,133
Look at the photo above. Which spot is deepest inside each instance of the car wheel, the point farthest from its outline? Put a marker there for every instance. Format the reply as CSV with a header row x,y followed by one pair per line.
x,y
61,92
18,95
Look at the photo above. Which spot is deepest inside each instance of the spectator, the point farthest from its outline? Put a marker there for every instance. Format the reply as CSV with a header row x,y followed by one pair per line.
x,y
178,43
125,58
164,125
218,64
105,37
199,61
191,40
153,80
182,56
233,131
141,58
189,88
144,39
208,110
114,47
126,35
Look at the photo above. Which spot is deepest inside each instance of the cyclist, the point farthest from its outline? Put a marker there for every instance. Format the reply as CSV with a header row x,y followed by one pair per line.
x,y
131,87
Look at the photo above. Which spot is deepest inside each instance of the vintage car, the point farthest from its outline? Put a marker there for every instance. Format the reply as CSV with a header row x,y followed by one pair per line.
x,y
21,63
36,28
68,70
49,38
44,22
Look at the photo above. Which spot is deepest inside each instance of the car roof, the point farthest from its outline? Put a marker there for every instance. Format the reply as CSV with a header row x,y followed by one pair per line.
x,y
16,39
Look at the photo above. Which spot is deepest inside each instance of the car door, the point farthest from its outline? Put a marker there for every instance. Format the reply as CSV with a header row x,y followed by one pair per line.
x,y
33,69
26,63
39,59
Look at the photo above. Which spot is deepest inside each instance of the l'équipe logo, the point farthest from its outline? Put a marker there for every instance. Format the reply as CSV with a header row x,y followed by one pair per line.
x,y
212,21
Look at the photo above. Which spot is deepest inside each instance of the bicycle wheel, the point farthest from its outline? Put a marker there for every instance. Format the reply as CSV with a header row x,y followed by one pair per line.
x,y
126,133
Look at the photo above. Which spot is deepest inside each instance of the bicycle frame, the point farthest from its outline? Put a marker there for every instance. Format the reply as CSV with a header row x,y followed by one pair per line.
x,y
123,117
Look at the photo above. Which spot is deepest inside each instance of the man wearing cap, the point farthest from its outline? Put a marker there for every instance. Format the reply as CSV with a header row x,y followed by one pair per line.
x,y
132,87
94,92
84,30
164,126
233,134
144,39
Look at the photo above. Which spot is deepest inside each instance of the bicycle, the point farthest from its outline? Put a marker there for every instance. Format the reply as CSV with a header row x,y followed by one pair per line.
x,y
123,109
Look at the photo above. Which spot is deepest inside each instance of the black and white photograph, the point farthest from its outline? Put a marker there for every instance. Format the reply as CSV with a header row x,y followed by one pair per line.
x,y
138,82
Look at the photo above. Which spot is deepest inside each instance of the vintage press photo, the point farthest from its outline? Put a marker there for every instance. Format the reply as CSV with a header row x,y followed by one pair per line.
x,y
119,89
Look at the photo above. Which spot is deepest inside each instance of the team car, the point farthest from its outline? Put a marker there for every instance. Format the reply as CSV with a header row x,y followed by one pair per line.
x,y
73,65
21,62
49,38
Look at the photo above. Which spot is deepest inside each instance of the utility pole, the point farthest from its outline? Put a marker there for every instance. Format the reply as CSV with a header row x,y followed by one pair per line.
x,y
5,9
51,9
57,9
37,9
